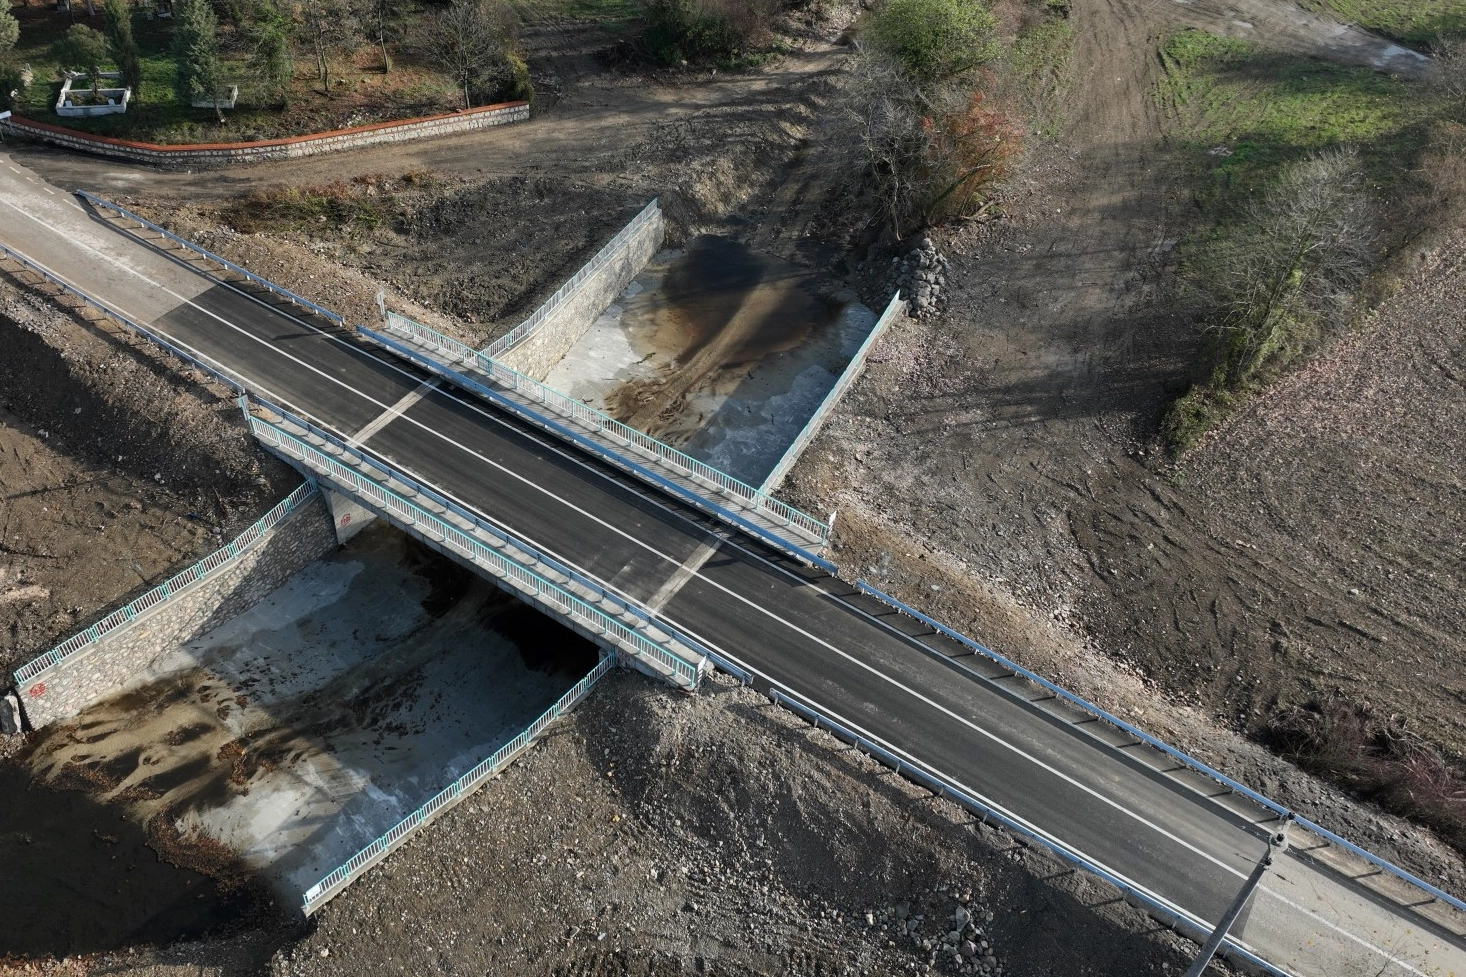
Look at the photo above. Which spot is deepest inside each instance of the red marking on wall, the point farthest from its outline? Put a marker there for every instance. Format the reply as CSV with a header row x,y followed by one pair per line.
x,y
37,690
346,519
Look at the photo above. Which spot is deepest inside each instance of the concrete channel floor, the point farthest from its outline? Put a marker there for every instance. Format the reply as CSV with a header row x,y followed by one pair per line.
x,y
303,729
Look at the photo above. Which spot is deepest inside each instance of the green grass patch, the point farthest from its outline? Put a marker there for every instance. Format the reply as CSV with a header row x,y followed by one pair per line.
x,y
1414,22
1243,115
1037,65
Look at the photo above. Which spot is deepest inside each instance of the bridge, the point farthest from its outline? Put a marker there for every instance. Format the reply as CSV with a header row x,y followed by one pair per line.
x,y
668,585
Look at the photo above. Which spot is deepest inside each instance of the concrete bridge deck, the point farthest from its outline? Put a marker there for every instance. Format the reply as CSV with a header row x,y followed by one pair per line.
x,y
787,624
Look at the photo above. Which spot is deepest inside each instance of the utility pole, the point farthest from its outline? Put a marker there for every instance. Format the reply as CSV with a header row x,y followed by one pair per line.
x,y
1276,845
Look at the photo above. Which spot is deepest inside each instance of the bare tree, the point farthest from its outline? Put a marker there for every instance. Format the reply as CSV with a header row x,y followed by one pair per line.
x,y
933,148
1305,247
380,19
471,41
330,27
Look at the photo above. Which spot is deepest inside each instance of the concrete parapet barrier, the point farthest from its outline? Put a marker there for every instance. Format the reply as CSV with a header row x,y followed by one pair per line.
x,y
601,280
109,665
894,310
218,155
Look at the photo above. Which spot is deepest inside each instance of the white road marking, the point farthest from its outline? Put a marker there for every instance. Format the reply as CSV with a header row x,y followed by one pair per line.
x,y
684,573
737,597
392,413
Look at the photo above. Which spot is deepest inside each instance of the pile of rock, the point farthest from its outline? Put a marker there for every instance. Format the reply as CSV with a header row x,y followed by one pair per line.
x,y
955,942
921,277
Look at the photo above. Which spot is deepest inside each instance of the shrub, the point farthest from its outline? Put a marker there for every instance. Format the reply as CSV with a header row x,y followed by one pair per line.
x,y
9,31
1376,756
682,31
935,40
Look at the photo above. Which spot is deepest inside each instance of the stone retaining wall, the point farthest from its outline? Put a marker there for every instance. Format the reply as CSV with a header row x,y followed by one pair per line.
x,y
215,155
536,355
110,666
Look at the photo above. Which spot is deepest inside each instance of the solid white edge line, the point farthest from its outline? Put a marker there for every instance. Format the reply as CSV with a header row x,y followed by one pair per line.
x,y
888,679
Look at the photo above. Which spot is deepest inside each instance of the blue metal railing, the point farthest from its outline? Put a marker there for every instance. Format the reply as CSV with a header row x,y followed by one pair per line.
x,y
526,328
169,588
604,424
596,448
852,371
422,520
1170,751
943,787
183,242
330,886
213,370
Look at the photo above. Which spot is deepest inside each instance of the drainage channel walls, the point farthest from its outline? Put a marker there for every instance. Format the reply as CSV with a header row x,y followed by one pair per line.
x,y
106,658
895,309
535,345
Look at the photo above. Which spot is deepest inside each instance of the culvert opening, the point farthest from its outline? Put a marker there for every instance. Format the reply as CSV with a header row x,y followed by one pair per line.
x,y
254,760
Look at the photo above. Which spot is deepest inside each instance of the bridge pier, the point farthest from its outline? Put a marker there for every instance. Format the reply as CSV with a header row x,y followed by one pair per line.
x,y
348,516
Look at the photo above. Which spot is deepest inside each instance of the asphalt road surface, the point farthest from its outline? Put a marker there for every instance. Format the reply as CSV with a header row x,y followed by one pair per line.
x,y
785,623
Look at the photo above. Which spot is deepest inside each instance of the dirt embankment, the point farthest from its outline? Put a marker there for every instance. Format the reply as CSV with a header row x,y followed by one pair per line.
x,y
114,470
655,834
1312,545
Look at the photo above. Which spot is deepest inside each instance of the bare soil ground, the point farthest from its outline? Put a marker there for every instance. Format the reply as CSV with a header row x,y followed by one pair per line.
x,y
114,472
997,466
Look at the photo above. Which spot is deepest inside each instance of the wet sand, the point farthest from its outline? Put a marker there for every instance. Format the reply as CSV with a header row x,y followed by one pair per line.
x,y
719,349
272,749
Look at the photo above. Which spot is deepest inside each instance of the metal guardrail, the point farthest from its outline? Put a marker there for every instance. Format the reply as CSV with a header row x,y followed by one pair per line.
x,y
945,788
172,587
330,886
213,370
262,282
480,523
852,371
683,463
1187,760
523,579
526,328
596,448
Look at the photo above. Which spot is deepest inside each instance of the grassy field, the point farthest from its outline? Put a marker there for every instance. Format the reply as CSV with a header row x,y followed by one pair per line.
x,y
1414,22
1243,114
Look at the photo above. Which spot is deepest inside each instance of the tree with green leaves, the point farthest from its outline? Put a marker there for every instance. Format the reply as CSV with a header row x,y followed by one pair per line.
x,y
118,16
935,40
271,36
84,48
196,51
9,31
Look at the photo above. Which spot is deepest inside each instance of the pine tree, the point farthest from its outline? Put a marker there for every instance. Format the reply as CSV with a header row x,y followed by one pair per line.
x,y
124,47
196,50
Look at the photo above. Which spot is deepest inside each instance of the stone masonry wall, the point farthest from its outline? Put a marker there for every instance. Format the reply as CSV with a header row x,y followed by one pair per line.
x,y
215,155
549,343
111,665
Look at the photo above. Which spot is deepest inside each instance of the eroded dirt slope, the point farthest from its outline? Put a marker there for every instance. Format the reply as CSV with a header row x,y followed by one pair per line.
x,y
114,470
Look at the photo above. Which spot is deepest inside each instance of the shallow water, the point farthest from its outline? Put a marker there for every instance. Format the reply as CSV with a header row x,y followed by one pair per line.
x,y
719,349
